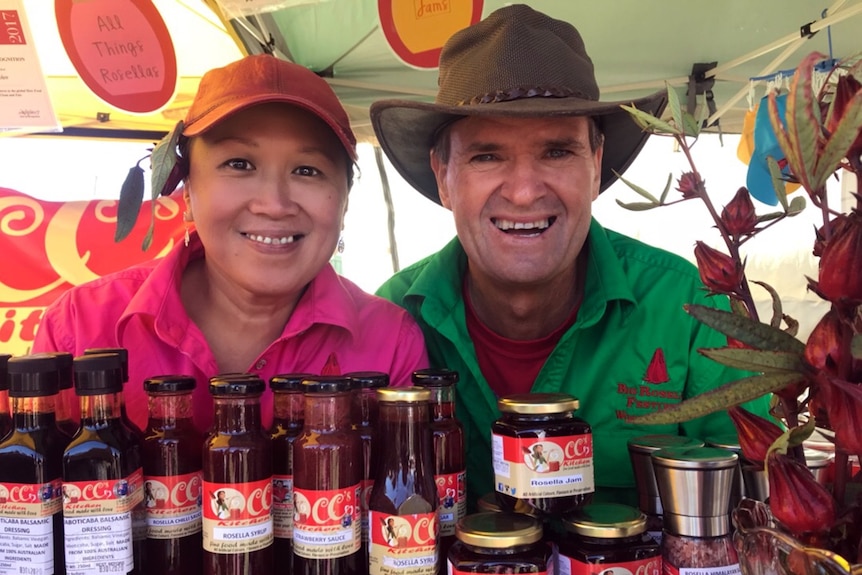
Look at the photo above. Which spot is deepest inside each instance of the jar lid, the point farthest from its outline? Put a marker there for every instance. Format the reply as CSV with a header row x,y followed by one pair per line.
x,y
408,394
727,441
368,379
695,458
327,384
33,375
498,530
236,384
537,403
440,377
654,442
489,503
169,384
288,381
606,521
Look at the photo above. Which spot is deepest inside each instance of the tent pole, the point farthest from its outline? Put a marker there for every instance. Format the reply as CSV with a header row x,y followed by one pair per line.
x,y
390,208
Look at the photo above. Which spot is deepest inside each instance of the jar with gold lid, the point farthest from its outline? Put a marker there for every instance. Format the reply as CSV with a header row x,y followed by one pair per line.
x,y
499,543
542,453
603,536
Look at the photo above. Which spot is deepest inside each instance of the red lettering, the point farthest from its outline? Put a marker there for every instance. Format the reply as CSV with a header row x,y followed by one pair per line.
x,y
652,567
425,530
29,325
100,490
23,494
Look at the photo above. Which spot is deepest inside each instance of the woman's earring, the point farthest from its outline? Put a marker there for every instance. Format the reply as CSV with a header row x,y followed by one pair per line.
x,y
187,217
340,247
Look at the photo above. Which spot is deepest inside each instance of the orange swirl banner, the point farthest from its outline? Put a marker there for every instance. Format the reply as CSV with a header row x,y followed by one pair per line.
x,y
49,247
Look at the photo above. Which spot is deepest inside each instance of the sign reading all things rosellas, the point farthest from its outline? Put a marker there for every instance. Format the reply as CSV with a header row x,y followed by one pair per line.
x,y
121,49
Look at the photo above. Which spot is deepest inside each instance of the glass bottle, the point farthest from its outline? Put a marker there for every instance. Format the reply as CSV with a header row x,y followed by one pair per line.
x,y
327,458
365,386
172,477
287,419
450,469
237,485
124,359
66,408
5,417
102,476
31,469
403,506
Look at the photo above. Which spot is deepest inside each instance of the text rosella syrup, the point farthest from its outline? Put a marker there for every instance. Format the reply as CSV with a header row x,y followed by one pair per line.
x,y
237,482
102,476
542,453
31,465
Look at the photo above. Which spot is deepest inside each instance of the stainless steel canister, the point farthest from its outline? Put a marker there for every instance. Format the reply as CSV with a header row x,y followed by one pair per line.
x,y
640,450
731,442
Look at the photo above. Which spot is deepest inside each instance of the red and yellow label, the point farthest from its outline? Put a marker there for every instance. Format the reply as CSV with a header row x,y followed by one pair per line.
x,y
669,569
27,527
326,522
237,517
527,467
173,504
403,544
282,506
650,566
30,500
104,497
452,492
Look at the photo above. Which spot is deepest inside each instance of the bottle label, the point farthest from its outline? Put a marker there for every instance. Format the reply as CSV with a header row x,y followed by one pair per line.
x,y
570,566
27,527
526,467
326,522
173,504
282,506
97,522
669,569
367,484
452,492
237,517
403,544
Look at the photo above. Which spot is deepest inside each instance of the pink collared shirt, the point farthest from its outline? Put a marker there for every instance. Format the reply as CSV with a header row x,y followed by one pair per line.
x,y
140,309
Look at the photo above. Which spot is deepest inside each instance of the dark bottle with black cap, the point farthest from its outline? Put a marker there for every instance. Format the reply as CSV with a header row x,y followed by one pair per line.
x,y
287,417
237,464
364,415
124,360
66,407
5,418
102,476
31,465
172,477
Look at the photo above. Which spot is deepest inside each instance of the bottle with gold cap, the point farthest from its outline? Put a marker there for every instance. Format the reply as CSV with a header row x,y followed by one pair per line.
x,y
500,543
603,536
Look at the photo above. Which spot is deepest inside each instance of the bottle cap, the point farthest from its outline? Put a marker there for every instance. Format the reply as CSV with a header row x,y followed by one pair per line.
x,y
121,351
440,377
288,381
327,384
64,366
405,394
606,521
236,384
537,403
33,375
498,530
4,360
169,384
98,373
368,379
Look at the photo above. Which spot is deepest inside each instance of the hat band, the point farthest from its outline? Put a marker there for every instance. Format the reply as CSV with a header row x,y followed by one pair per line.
x,y
522,93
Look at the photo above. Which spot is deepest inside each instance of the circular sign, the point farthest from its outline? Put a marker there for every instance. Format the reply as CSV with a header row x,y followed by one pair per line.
x,y
416,30
121,49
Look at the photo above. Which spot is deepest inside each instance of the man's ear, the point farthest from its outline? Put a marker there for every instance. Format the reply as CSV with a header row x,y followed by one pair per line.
x,y
597,178
440,168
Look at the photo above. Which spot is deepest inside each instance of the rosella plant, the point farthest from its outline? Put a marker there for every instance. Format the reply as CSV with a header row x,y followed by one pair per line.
x,y
817,381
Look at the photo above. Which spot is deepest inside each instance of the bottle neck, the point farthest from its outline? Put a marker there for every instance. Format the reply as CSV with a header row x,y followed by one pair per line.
x,y
64,407
237,414
327,411
4,402
406,425
287,408
365,407
30,413
442,402
100,409
166,410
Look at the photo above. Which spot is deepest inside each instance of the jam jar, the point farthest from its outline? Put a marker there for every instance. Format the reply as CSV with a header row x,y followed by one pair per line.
x,y
499,543
608,536
542,453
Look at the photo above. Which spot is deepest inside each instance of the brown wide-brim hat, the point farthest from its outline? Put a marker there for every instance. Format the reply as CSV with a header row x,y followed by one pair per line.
x,y
517,62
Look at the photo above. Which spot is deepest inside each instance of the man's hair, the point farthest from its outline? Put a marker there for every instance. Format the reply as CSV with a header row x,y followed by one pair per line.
x,y
442,142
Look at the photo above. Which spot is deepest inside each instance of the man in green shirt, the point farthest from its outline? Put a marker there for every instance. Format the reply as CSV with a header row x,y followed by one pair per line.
x,y
534,295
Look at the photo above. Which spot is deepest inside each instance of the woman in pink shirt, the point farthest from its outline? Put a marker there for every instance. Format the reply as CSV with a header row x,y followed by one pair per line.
x,y
266,155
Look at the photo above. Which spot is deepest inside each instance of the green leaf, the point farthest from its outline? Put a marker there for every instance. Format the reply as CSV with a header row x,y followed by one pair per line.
x,y
792,437
129,206
674,107
719,399
637,206
803,120
841,140
797,204
755,359
691,124
777,312
748,331
777,181
666,187
164,159
638,189
787,145
649,122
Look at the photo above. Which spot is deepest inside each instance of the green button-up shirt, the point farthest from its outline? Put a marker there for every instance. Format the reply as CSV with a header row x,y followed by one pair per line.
x,y
631,350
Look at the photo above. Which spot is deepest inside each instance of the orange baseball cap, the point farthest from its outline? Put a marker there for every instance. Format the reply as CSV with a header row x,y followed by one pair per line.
x,y
263,78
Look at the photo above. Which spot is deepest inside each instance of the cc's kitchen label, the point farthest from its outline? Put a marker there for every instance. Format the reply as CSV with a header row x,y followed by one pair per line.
x,y
527,467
